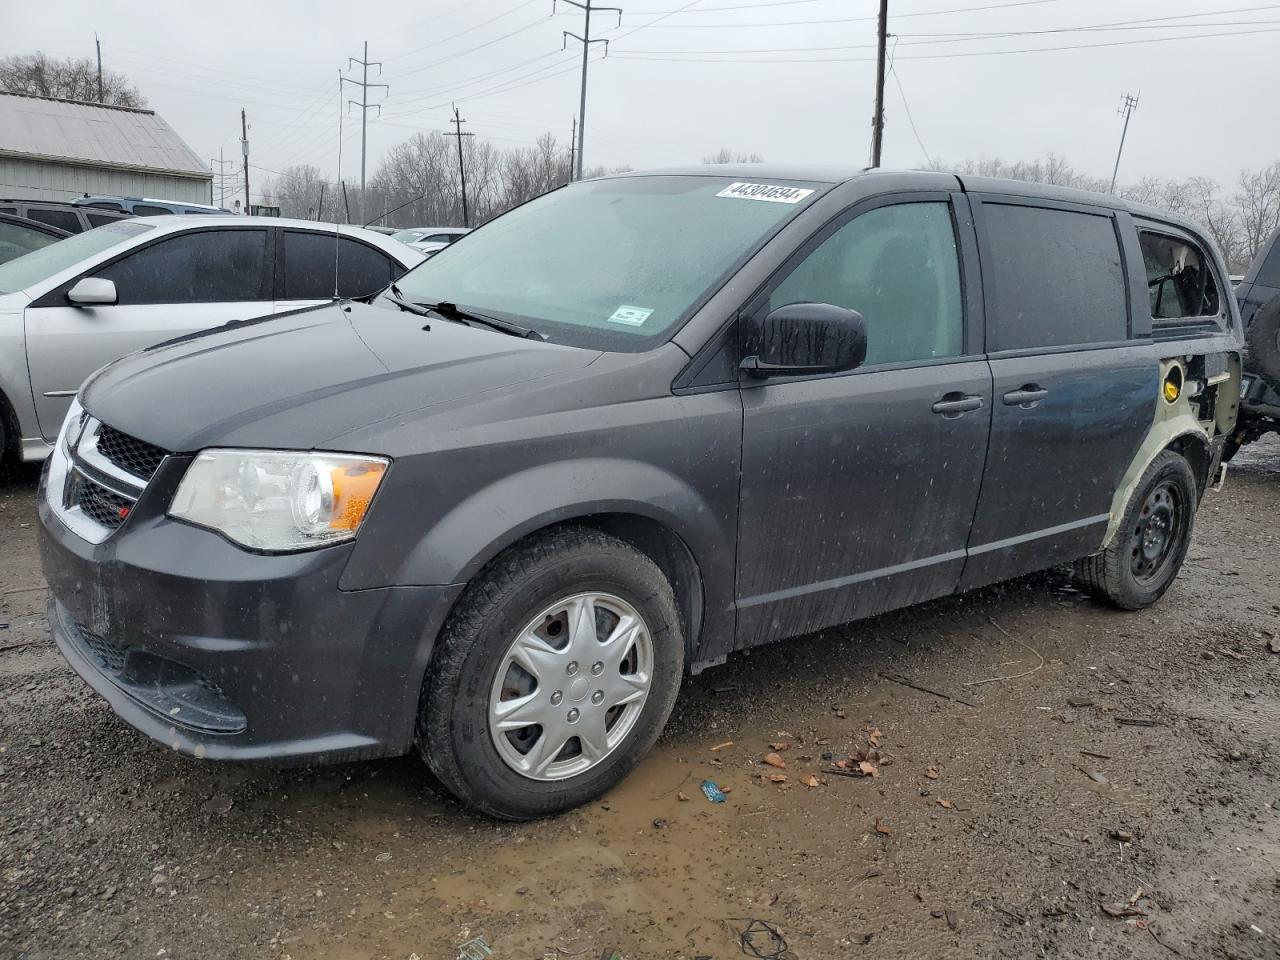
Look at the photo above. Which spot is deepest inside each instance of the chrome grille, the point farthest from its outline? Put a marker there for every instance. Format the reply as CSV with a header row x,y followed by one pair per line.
x,y
104,507
135,456
96,475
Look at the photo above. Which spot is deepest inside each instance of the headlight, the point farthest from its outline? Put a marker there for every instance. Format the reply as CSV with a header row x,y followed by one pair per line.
x,y
278,500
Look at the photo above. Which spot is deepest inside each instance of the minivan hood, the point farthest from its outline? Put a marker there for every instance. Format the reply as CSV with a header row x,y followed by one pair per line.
x,y
297,380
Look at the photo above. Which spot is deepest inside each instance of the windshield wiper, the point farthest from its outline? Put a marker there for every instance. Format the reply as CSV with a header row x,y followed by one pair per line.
x,y
396,297
451,311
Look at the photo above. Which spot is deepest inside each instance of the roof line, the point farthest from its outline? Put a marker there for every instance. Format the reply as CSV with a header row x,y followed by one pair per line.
x,y
82,103
107,164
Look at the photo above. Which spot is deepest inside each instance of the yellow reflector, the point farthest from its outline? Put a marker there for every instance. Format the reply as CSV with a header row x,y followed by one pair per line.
x,y
353,488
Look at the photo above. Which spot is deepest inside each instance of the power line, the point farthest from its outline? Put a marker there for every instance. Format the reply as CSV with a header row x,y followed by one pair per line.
x,y
788,3
939,56
586,40
460,33
364,104
906,106
457,122
1128,104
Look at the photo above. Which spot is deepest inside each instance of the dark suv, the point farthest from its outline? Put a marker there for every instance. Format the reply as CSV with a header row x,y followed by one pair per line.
x,y
626,429
64,216
1258,295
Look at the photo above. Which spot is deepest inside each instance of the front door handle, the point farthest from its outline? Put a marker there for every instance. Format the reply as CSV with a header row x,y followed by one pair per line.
x,y
1026,397
957,405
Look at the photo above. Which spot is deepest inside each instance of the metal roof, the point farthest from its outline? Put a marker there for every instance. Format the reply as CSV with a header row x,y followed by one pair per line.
x,y
95,134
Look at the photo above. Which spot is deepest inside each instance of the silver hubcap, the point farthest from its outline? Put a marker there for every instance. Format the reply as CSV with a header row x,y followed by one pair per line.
x,y
571,686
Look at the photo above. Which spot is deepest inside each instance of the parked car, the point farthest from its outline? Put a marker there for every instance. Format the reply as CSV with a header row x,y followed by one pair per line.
x,y
19,236
1258,295
148,207
500,510
64,216
430,240
67,309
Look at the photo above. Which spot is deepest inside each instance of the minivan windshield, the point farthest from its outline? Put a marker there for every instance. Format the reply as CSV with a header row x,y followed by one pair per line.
x,y
42,264
408,236
614,264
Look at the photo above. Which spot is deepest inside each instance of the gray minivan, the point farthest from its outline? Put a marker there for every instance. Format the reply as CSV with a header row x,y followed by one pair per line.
x,y
639,423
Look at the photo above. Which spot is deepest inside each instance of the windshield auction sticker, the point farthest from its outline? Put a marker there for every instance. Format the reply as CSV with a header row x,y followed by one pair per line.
x,y
773,193
631,316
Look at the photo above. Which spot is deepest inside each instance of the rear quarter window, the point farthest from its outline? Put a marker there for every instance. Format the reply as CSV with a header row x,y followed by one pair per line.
x,y
1054,277
1180,280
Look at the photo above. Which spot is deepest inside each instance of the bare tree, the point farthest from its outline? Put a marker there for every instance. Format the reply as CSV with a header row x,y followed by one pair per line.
x,y
725,155
1258,200
69,79
297,191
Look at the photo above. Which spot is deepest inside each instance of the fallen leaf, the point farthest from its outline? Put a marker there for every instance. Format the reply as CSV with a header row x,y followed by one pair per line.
x,y
780,745
726,790
773,760
945,804
873,737
1119,910
721,746
932,773
811,781
777,778
882,827
682,796
867,769
842,764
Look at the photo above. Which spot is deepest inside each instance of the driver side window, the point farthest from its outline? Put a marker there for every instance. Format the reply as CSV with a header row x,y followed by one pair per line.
x,y
899,267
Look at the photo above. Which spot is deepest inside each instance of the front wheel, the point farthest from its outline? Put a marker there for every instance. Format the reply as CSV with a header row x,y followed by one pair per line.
x,y
1146,553
555,675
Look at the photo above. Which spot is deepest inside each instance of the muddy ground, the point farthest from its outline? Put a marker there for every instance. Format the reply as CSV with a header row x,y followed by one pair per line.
x,y
1046,806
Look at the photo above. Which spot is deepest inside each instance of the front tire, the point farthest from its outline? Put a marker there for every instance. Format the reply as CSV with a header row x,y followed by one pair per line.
x,y
1147,551
554,675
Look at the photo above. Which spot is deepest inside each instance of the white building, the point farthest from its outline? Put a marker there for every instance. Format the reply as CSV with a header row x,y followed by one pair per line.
x,y
59,149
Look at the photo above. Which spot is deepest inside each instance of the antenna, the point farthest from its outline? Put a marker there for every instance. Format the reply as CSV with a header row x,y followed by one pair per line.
x,y
336,228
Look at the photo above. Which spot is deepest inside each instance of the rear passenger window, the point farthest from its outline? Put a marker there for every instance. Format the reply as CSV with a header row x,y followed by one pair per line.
x,y
1054,278
98,219
65,219
212,266
147,210
1179,279
898,267
309,261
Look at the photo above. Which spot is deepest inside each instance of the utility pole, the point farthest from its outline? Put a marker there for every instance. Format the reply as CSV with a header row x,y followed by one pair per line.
x,y
457,122
1128,104
364,85
573,132
877,122
586,42
98,43
222,179
244,149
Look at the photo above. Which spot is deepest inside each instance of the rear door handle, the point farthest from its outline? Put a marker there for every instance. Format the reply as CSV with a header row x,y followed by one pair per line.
x,y
1026,396
957,404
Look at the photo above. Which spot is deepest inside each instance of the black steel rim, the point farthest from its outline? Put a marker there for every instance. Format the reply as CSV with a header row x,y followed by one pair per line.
x,y
1158,532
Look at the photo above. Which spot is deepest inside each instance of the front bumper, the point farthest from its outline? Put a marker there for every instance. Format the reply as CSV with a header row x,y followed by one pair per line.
x,y
225,654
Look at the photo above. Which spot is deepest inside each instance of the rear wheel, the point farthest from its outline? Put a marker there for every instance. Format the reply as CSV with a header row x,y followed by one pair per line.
x,y
555,675
1146,553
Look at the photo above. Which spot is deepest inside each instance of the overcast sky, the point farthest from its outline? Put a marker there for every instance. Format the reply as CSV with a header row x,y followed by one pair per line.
x,y
790,79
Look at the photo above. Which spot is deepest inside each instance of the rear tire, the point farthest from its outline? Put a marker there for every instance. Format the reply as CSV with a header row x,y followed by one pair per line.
x,y
1263,339
1147,551
518,613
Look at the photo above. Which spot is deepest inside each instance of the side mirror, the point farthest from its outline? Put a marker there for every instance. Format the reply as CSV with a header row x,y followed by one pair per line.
x,y
93,291
808,338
